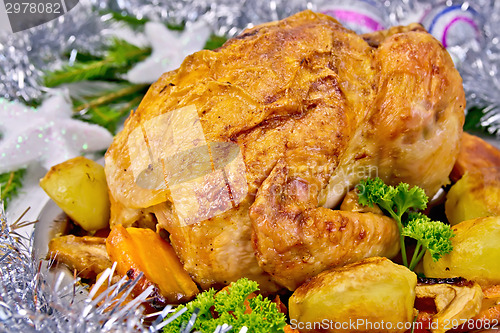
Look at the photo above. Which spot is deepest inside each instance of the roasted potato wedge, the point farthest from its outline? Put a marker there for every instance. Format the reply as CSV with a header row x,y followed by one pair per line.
x,y
79,188
475,154
475,255
476,194
87,255
142,250
361,292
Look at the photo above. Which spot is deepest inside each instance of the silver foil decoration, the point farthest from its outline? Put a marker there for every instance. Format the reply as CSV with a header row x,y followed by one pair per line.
x,y
31,300
24,55
471,32
480,71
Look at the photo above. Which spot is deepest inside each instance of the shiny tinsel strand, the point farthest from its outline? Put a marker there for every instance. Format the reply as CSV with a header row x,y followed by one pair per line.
x,y
480,72
471,28
477,56
34,300
26,54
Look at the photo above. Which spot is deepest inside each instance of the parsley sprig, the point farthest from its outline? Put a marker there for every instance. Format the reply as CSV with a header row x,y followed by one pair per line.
x,y
402,203
431,235
233,307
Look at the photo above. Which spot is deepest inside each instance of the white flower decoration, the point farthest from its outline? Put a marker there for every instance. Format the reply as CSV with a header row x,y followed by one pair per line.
x,y
47,134
169,48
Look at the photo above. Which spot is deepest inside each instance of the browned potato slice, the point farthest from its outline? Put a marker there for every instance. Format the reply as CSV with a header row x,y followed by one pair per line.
x,y
475,255
87,254
454,302
443,303
476,194
79,188
367,292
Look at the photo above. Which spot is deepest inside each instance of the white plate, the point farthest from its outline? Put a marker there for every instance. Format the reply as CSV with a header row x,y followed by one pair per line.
x,y
47,227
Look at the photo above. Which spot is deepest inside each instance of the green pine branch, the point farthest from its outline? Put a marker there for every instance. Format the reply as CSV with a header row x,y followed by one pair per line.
x,y
476,121
121,17
10,184
214,42
109,116
128,92
473,119
108,108
120,57
136,22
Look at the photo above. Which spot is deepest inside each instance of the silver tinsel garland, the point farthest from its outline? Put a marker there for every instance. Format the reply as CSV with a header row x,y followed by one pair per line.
x,y
25,55
31,300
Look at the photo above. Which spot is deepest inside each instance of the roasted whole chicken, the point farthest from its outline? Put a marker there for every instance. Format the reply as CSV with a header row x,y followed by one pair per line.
x,y
244,155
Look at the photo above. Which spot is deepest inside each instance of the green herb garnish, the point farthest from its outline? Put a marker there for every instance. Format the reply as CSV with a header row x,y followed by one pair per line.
x,y
232,307
431,235
402,203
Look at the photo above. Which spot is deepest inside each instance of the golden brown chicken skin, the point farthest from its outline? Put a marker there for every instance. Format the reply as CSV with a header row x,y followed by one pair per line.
x,y
310,107
296,240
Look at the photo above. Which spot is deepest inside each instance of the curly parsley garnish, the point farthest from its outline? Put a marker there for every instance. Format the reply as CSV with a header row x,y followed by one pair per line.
x,y
402,204
232,307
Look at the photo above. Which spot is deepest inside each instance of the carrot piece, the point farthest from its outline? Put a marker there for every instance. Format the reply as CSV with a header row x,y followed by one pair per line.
x,y
142,250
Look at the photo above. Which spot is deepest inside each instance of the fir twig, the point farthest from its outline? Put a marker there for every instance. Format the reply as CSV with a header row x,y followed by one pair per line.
x,y
10,183
134,103
109,108
138,22
78,72
473,119
110,97
110,117
130,20
214,42
483,120
119,59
